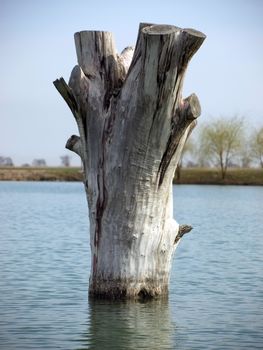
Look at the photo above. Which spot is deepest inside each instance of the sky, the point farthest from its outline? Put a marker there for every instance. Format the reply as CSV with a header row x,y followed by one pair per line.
x,y
37,47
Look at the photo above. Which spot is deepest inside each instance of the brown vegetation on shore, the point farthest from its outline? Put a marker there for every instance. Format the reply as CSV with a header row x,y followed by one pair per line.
x,y
202,176
213,176
40,174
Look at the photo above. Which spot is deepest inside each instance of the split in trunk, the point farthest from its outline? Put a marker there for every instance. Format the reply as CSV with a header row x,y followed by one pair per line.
x,y
133,124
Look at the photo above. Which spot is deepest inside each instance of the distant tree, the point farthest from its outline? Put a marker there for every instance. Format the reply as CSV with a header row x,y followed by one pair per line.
x,y
39,162
257,146
221,141
245,156
6,161
65,160
199,154
9,161
202,160
187,150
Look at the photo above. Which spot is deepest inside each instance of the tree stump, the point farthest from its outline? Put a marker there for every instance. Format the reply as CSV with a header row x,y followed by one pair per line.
x,y
132,124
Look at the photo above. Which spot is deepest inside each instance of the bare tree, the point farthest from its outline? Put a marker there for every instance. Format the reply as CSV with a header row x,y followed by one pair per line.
x,y
257,146
133,123
246,155
6,161
221,141
39,162
187,150
65,160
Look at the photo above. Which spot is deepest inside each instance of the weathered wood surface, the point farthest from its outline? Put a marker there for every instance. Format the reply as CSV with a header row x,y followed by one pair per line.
x,y
133,123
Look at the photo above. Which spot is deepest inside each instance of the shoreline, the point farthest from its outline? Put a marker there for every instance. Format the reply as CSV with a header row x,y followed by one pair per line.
x,y
188,176
40,174
212,176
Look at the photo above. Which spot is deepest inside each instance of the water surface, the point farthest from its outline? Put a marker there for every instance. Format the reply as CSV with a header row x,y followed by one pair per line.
x,y
216,290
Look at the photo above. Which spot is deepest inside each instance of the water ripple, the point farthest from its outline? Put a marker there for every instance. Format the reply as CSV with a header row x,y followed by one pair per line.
x,y
216,290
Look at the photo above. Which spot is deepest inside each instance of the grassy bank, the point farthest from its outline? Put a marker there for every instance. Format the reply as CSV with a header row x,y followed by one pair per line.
x,y
209,176
40,174
188,175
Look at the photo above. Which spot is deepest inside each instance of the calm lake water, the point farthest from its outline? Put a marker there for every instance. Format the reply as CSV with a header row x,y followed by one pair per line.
x,y
216,290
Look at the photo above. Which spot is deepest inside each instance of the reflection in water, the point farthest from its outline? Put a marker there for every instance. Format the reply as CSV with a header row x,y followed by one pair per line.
x,y
129,325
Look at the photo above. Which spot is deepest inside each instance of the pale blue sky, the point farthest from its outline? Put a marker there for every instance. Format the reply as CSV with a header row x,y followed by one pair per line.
x,y
37,46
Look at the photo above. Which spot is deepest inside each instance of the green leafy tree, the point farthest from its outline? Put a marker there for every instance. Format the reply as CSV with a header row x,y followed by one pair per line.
x,y
221,141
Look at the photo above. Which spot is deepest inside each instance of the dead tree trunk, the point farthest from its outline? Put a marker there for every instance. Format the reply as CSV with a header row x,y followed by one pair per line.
x,y
133,124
